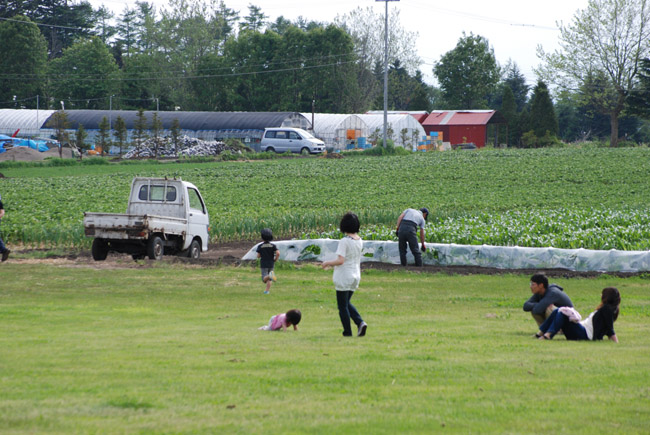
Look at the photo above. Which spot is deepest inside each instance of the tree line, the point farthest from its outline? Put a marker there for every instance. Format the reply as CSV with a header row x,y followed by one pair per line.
x,y
200,55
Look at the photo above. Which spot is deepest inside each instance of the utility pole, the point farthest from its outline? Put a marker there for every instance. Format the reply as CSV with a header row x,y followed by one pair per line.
x,y
386,72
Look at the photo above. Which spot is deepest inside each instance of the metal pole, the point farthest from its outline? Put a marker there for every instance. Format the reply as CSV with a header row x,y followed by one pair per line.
x,y
386,76
110,113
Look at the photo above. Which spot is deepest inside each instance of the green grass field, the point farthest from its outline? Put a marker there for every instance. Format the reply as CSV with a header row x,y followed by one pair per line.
x,y
164,348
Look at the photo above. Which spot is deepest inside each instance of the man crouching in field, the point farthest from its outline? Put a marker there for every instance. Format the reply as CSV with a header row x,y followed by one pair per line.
x,y
545,298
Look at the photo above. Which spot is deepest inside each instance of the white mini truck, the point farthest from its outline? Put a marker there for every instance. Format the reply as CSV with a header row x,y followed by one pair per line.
x,y
164,216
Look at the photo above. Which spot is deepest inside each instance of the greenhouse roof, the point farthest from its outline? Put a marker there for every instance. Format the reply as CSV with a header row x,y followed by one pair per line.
x,y
12,119
328,122
187,120
27,118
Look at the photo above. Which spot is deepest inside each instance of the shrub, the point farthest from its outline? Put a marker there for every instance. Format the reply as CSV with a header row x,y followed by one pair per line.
x,y
95,161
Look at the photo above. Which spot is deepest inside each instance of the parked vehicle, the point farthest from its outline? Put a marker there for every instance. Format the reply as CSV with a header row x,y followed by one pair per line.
x,y
295,140
164,216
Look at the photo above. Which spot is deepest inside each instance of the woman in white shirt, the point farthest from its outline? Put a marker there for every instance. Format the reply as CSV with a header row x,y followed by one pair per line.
x,y
347,274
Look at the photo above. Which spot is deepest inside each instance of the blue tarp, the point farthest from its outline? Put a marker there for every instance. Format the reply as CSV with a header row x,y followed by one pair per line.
x,y
38,145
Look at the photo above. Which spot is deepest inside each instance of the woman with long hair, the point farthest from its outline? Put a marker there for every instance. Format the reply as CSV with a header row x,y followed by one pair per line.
x,y
600,323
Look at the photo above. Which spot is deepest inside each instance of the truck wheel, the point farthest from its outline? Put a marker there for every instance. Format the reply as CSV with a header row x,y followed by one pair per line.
x,y
100,249
195,250
155,248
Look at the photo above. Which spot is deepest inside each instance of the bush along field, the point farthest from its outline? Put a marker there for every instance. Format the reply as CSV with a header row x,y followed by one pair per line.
x,y
175,349
593,198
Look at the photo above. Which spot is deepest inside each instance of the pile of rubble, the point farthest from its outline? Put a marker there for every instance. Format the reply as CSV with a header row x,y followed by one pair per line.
x,y
187,147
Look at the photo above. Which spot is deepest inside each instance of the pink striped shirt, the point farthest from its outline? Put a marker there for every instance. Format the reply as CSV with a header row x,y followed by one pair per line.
x,y
278,321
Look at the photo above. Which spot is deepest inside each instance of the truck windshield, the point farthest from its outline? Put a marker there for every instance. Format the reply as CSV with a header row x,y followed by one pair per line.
x,y
195,200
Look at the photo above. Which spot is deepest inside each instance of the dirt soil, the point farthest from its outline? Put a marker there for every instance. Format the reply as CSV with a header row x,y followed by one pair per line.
x,y
231,253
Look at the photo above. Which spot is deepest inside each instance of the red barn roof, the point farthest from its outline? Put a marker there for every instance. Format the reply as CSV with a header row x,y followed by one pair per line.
x,y
463,117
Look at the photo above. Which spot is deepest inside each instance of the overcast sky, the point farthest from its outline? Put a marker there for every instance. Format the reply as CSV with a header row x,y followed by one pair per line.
x,y
513,28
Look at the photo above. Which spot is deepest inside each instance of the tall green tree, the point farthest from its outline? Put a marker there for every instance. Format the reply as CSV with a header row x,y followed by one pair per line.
x,y
86,75
64,22
80,140
140,127
255,20
104,134
175,131
468,73
366,27
188,33
639,99
406,92
542,118
516,81
23,59
103,28
126,31
605,42
509,112
120,133
59,123
155,128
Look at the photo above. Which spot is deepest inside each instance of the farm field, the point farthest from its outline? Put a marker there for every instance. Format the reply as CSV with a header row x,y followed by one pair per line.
x,y
168,348
595,198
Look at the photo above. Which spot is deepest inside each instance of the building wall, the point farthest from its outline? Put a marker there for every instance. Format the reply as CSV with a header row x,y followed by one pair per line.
x,y
456,134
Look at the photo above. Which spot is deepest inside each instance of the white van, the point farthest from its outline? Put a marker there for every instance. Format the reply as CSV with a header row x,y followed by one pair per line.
x,y
296,140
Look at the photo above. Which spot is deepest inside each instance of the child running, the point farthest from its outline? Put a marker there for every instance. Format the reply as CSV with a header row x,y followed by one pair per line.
x,y
268,254
283,321
347,274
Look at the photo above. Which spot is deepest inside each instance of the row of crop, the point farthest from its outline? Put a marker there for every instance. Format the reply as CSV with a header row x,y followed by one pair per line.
x,y
465,189
627,229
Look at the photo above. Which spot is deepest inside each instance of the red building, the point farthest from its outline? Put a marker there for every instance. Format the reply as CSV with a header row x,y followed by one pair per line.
x,y
464,126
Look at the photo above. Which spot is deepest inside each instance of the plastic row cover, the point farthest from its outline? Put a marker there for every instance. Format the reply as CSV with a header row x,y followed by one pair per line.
x,y
501,257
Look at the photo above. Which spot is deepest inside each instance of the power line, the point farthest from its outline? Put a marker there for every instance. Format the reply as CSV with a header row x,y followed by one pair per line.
x,y
65,77
426,5
52,26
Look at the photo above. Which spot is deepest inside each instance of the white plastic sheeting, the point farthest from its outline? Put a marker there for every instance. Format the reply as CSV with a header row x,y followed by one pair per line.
x,y
332,128
29,122
500,257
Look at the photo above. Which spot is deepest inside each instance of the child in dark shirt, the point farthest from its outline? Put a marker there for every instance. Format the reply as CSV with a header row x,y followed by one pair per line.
x,y
268,254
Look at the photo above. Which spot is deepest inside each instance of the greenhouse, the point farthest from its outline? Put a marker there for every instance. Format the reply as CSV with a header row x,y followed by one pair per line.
x,y
406,130
339,131
245,126
28,123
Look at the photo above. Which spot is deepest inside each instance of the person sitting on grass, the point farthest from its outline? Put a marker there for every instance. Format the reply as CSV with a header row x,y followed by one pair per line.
x,y
283,321
600,323
545,298
268,254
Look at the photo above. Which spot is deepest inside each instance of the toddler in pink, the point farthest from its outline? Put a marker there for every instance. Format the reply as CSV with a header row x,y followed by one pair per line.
x,y
283,320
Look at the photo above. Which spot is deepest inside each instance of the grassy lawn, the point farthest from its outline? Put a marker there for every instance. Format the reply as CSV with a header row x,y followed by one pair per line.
x,y
175,349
